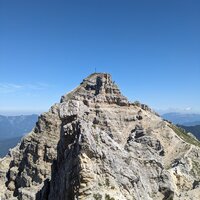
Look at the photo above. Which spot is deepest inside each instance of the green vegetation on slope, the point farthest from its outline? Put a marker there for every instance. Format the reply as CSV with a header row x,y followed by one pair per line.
x,y
183,135
195,130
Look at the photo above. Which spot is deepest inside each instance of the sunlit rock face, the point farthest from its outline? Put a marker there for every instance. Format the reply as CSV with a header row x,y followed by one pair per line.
x,y
96,145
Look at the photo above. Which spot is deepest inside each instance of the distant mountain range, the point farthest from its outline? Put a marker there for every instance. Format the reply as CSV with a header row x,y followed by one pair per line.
x,y
6,144
16,126
12,129
183,118
189,122
195,130
196,123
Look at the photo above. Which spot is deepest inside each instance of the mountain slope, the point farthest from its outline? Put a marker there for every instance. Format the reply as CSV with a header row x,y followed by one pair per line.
x,y
195,130
6,144
96,145
14,126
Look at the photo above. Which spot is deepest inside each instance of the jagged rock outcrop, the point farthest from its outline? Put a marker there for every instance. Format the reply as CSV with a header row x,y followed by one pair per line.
x,y
96,145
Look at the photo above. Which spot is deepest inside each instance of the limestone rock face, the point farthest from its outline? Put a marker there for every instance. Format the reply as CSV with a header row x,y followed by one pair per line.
x,y
96,145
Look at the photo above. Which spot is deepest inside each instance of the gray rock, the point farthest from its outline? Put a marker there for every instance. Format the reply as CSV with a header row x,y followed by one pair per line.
x,y
95,144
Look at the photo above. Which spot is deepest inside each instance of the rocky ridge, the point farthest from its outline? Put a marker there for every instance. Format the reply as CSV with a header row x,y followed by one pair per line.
x,y
96,145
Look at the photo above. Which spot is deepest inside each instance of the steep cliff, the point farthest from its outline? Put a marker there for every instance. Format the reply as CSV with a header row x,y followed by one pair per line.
x,y
96,145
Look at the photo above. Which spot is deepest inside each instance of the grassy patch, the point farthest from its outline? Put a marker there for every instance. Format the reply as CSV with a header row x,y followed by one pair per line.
x,y
107,197
107,182
97,196
196,167
183,135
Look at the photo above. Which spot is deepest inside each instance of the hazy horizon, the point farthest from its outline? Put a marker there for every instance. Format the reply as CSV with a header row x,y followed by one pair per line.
x,y
38,112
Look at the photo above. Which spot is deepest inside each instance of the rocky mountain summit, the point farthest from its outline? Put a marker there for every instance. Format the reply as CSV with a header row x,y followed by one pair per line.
x,y
96,145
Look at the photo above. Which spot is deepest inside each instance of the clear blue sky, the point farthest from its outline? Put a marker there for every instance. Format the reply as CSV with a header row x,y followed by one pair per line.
x,y
151,48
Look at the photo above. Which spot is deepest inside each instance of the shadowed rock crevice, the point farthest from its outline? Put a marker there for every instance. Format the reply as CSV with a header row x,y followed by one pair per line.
x,y
65,180
44,192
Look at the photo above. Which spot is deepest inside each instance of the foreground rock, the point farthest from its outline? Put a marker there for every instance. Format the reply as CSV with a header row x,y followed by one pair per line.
x,y
96,145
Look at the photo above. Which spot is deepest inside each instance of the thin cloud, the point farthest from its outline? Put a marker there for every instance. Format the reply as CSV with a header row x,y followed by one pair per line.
x,y
188,109
12,87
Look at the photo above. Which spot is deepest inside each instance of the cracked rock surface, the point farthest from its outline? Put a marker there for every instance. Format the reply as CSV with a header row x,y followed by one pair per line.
x,y
96,145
